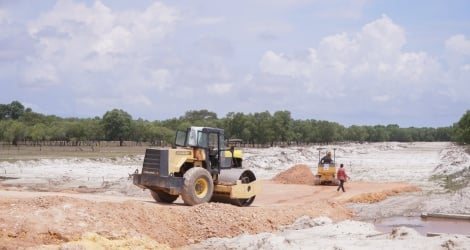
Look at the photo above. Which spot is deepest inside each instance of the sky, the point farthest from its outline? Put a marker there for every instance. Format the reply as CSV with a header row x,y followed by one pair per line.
x,y
354,62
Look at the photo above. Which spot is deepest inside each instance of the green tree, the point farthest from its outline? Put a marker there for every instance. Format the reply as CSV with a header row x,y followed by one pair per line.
x,y
300,131
15,131
263,132
399,134
377,133
4,124
462,129
326,131
357,133
200,117
172,123
443,134
117,125
248,133
75,130
56,131
14,110
18,123
93,129
4,111
282,126
234,124
138,133
161,135
37,132
313,130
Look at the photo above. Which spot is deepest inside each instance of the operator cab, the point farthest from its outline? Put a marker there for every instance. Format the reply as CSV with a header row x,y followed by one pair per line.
x,y
211,140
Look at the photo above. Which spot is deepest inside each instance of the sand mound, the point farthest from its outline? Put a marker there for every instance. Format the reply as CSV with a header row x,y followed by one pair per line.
x,y
380,196
74,223
298,174
95,241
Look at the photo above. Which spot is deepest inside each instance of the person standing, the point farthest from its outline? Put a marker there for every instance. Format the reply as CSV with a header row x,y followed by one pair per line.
x,y
342,176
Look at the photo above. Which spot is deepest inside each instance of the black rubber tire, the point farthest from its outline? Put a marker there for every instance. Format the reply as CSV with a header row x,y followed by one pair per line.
x,y
198,186
246,177
162,196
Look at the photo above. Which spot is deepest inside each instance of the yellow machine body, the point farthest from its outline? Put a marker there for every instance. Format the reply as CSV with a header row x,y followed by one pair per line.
x,y
202,170
326,171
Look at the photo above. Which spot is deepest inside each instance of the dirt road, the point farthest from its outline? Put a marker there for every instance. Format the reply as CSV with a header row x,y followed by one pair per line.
x,y
33,219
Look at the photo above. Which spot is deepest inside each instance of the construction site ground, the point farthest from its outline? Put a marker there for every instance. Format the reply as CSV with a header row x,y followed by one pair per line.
x,y
83,206
32,218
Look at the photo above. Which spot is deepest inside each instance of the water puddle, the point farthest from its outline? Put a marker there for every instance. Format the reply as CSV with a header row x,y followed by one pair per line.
x,y
424,225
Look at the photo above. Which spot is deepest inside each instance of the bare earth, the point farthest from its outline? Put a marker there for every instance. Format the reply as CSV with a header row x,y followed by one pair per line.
x,y
36,219
82,199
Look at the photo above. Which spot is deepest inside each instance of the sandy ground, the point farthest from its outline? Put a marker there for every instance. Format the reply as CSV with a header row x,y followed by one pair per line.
x,y
77,203
35,218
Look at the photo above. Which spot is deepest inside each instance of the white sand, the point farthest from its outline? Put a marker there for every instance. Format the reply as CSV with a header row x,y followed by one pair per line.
x,y
321,233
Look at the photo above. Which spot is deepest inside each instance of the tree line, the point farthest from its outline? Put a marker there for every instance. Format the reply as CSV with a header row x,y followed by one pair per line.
x,y
20,124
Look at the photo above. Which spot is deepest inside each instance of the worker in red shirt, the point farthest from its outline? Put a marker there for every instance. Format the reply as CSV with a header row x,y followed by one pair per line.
x,y
342,176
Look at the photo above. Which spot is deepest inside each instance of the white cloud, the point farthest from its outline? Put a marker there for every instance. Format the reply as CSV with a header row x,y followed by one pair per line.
x,y
371,62
209,20
42,73
416,67
4,16
458,44
343,9
381,39
116,40
457,53
160,79
279,64
75,37
381,98
138,100
338,48
219,88
116,54
98,58
270,29
151,25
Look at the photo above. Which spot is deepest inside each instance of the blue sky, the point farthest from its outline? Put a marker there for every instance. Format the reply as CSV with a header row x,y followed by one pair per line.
x,y
354,62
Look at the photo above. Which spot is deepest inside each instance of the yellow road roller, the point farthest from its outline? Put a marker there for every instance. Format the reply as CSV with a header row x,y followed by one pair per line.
x,y
201,167
326,168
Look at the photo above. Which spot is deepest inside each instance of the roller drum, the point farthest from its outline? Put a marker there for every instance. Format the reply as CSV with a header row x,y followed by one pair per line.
x,y
229,177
